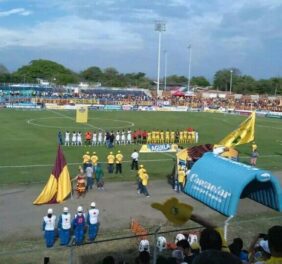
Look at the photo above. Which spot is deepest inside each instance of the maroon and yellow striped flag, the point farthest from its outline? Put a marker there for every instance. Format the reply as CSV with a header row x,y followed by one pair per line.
x,y
58,186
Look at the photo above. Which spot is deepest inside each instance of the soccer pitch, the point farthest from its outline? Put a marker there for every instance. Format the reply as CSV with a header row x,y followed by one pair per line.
x,y
29,140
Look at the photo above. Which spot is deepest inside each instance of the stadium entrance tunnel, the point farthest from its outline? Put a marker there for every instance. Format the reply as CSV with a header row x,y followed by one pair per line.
x,y
220,183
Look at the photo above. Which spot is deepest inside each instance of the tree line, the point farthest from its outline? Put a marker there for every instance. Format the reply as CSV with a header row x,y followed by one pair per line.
x,y
224,79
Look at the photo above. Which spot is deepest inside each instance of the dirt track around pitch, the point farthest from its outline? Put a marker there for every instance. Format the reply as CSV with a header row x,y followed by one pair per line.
x,y
118,203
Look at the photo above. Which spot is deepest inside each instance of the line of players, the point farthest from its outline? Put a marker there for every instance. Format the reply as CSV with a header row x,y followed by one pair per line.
x,y
185,136
128,137
97,138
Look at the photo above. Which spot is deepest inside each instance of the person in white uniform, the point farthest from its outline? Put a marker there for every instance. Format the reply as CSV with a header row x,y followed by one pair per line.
x,y
67,138
48,226
92,221
64,227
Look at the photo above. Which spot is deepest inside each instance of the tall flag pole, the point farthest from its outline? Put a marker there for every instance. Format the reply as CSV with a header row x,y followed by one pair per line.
x,y
245,133
58,186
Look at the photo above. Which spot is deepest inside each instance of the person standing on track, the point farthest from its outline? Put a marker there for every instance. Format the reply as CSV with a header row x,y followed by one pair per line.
x,y
48,226
92,221
78,225
145,179
134,158
64,227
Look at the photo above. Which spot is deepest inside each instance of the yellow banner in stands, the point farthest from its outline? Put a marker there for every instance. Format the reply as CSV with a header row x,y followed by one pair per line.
x,y
82,114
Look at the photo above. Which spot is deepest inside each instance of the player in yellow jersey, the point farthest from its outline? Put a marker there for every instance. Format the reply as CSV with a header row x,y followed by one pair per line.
x,y
157,136
149,137
167,137
111,159
181,180
139,178
162,139
185,136
94,159
193,140
181,138
85,160
190,135
172,137
254,146
153,136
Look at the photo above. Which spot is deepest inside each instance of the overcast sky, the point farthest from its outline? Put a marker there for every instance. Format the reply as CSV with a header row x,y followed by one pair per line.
x,y
246,34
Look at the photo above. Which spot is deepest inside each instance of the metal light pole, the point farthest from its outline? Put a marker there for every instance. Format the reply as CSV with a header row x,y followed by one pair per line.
x,y
231,72
160,27
189,66
165,69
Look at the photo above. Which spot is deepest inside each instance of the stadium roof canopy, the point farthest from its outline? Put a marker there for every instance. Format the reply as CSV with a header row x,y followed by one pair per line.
x,y
220,183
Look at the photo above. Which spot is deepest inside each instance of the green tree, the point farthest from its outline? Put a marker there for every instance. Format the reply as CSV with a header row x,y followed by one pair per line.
x,y
222,78
47,70
5,76
92,74
199,81
177,80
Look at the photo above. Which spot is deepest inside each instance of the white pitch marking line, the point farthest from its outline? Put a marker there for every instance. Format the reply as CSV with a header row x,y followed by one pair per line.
x,y
71,164
31,122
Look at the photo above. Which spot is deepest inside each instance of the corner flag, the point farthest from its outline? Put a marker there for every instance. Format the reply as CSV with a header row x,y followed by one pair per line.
x,y
58,186
82,114
245,133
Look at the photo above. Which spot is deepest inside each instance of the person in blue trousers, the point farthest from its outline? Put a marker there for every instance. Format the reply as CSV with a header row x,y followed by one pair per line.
x,y
48,226
78,224
64,227
92,221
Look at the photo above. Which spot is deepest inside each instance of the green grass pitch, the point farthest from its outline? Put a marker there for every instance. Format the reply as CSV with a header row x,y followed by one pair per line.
x,y
29,140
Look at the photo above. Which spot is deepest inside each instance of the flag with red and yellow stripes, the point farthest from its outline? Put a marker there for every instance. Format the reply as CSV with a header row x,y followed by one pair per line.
x,y
58,186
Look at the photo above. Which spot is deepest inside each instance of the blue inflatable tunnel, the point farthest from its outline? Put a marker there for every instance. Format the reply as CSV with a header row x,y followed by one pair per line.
x,y
220,183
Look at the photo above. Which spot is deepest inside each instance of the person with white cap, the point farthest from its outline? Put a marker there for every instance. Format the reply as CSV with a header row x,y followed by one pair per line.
x,y
92,221
78,225
48,226
64,227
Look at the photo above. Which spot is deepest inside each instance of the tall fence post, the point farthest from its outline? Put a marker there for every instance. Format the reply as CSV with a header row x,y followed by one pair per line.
x,y
226,223
72,243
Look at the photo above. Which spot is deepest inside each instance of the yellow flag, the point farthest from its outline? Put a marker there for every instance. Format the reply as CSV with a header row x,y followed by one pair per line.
x,y
58,187
245,133
82,114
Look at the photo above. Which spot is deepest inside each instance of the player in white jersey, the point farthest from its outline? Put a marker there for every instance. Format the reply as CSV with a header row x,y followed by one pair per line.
x,y
67,138
73,139
128,136
118,139
79,139
123,137
105,139
94,138
100,138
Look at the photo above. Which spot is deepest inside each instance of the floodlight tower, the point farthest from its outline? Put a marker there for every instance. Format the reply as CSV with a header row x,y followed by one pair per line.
x,y
165,68
230,88
159,27
189,65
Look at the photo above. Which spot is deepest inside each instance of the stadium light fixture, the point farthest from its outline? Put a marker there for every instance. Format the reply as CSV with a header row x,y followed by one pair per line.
x,y
231,73
159,27
165,68
189,65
